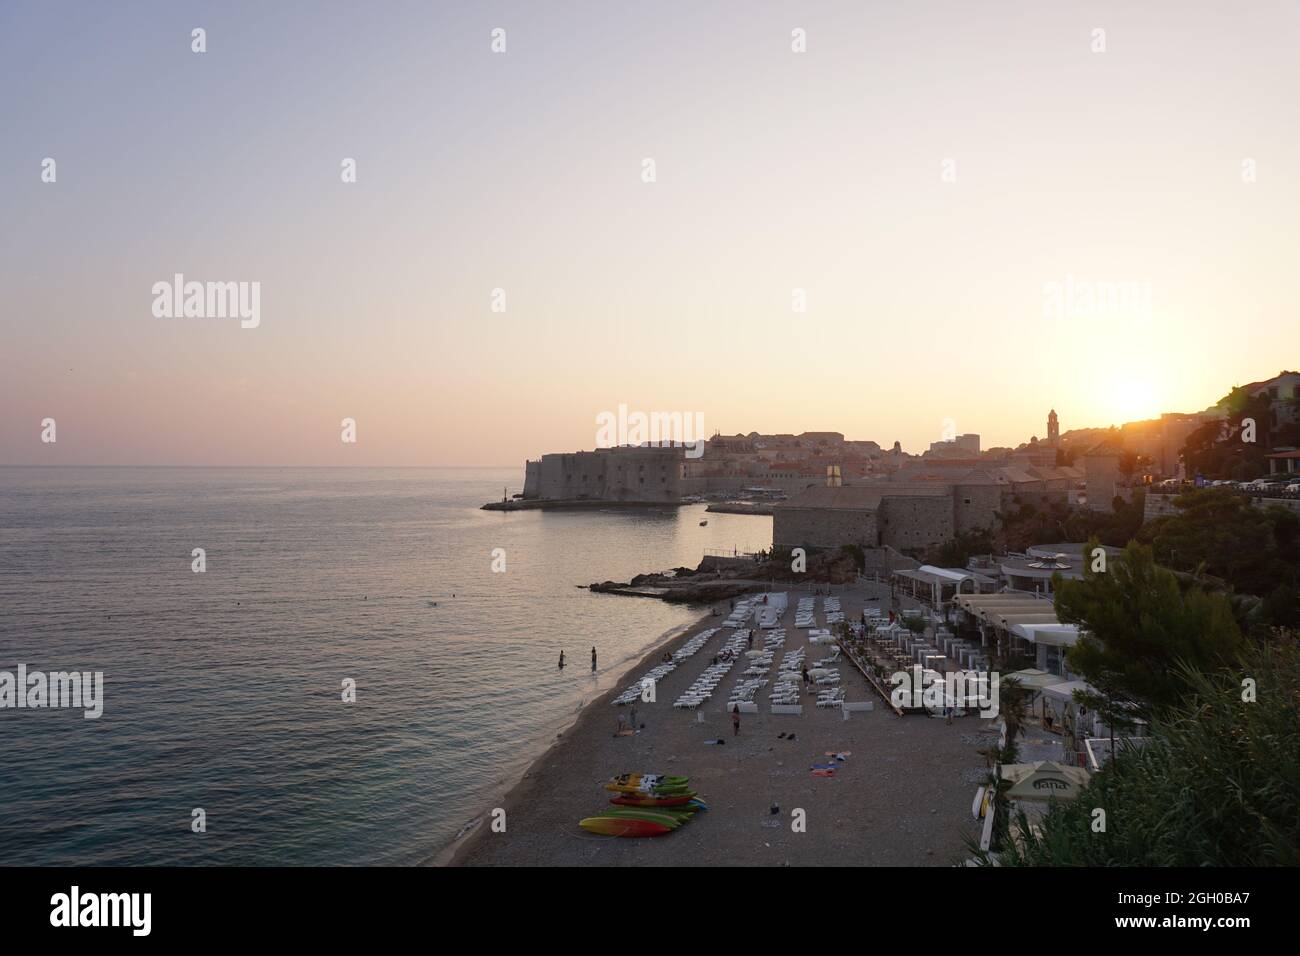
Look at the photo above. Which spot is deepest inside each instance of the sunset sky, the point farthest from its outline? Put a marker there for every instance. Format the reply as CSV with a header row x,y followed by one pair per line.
x,y
823,171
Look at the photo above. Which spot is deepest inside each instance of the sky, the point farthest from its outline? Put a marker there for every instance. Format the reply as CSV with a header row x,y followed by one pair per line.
x,y
988,210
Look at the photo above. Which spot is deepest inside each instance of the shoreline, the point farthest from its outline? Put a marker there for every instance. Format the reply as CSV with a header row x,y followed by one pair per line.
x,y
460,846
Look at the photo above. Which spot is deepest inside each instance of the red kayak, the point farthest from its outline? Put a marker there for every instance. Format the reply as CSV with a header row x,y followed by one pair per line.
x,y
624,827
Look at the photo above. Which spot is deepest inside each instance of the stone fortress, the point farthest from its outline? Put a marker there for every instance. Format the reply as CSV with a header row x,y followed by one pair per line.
x,y
630,475
839,492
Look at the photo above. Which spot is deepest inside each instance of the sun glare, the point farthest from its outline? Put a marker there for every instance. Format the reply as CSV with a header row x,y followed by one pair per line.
x,y
1130,399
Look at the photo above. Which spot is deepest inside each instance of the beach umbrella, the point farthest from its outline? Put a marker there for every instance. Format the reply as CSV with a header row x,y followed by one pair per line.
x,y
1043,780
755,653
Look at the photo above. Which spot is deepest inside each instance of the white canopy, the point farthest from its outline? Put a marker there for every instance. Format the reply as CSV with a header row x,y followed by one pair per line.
x,y
1058,635
1065,692
1034,679
946,573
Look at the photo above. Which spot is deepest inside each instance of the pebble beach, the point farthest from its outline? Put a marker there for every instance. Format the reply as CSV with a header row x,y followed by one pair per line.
x,y
901,797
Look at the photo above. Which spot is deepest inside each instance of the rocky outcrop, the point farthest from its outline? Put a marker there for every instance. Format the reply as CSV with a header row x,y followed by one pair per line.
x,y
711,582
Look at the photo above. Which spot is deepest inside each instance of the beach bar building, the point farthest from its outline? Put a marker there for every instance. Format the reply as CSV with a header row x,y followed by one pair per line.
x,y
1032,571
1021,626
939,587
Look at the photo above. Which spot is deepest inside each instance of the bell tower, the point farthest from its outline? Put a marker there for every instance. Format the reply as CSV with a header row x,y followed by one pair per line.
x,y
1053,427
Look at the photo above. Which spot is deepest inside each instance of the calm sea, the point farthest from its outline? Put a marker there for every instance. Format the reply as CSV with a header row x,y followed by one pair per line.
x,y
223,689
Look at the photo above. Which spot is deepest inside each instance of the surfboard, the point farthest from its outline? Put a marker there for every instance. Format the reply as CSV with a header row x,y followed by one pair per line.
x,y
986,835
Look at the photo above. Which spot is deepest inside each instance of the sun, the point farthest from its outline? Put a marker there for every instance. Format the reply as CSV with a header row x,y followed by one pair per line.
x,y
1131,398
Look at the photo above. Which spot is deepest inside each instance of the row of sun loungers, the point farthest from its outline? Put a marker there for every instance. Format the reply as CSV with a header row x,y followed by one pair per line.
x,y
803,613
833,659
657,673
633,692
770,609
744,691
834,613
707,682
741,613
759,665
834,697
693,645
786,690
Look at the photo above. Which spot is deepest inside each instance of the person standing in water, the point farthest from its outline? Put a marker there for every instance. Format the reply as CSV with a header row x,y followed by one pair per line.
x,y
593,659
561,660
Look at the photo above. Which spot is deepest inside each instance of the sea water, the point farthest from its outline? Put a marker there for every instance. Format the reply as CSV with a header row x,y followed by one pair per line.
x,y
225,737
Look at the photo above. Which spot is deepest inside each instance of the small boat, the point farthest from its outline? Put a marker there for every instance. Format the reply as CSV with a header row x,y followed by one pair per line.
x,y
704,522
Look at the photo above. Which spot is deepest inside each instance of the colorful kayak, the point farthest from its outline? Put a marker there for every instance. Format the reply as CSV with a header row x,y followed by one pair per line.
x,y
647,783
646,800
667,792
624,827
673,820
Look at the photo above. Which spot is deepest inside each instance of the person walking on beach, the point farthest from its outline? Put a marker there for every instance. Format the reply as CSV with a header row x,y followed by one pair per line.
x,y
593,658
735,721
561,660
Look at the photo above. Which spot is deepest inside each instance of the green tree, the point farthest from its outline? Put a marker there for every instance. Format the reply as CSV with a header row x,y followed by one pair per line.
x,y
914,624
957,552
1219,532
1138,623
1218,448
1218,783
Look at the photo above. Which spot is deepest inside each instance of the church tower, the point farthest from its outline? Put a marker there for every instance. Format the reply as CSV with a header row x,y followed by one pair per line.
x,y
1053,427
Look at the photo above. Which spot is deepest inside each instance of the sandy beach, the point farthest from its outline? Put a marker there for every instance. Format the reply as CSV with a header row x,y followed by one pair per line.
x,y
902,798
